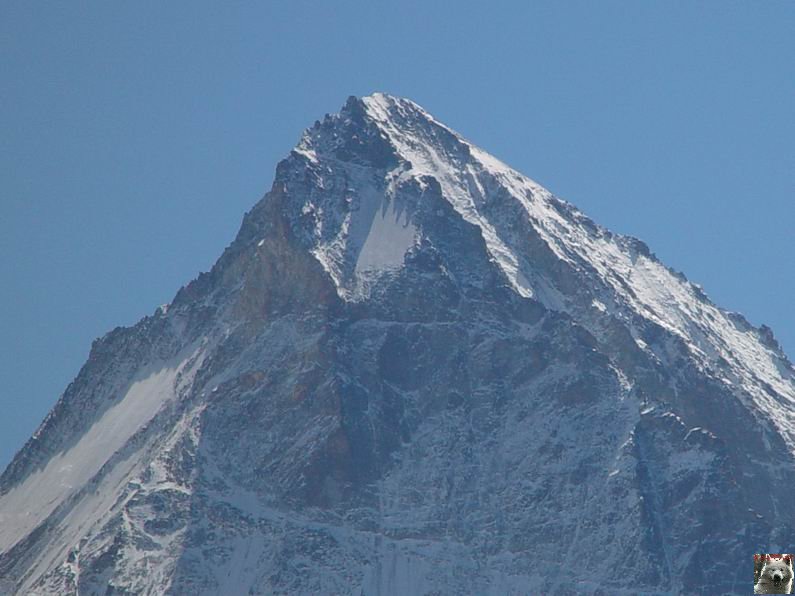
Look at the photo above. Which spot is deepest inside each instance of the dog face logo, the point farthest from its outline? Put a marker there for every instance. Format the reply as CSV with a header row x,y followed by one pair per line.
x,y
773,574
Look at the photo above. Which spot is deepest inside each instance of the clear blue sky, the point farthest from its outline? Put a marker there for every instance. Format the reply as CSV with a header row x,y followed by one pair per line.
x,y
133,136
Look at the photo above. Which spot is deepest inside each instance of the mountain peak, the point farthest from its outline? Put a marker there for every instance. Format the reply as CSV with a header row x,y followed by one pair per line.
x,y
406,150
383,107
415,370
384,180
378,114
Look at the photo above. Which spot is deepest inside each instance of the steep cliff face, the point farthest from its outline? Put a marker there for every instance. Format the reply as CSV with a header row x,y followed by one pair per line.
x,y
413,371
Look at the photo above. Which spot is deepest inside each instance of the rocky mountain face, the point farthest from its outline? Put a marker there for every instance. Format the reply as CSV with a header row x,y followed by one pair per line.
x,y
414,371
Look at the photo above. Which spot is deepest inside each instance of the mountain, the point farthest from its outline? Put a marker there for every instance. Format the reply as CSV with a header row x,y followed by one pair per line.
x,y
414,371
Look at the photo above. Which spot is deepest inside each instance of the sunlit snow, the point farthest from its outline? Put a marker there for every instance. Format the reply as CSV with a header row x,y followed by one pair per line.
x,y
28,504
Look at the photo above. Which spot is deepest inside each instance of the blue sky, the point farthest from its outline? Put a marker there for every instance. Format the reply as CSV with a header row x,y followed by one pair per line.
x,y
133,137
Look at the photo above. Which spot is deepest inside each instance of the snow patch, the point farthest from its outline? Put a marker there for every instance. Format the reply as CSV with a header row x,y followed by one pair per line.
x,y
28,504
391,234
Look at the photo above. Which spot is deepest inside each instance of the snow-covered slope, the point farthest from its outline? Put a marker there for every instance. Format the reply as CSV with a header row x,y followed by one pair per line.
x,y
414,371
